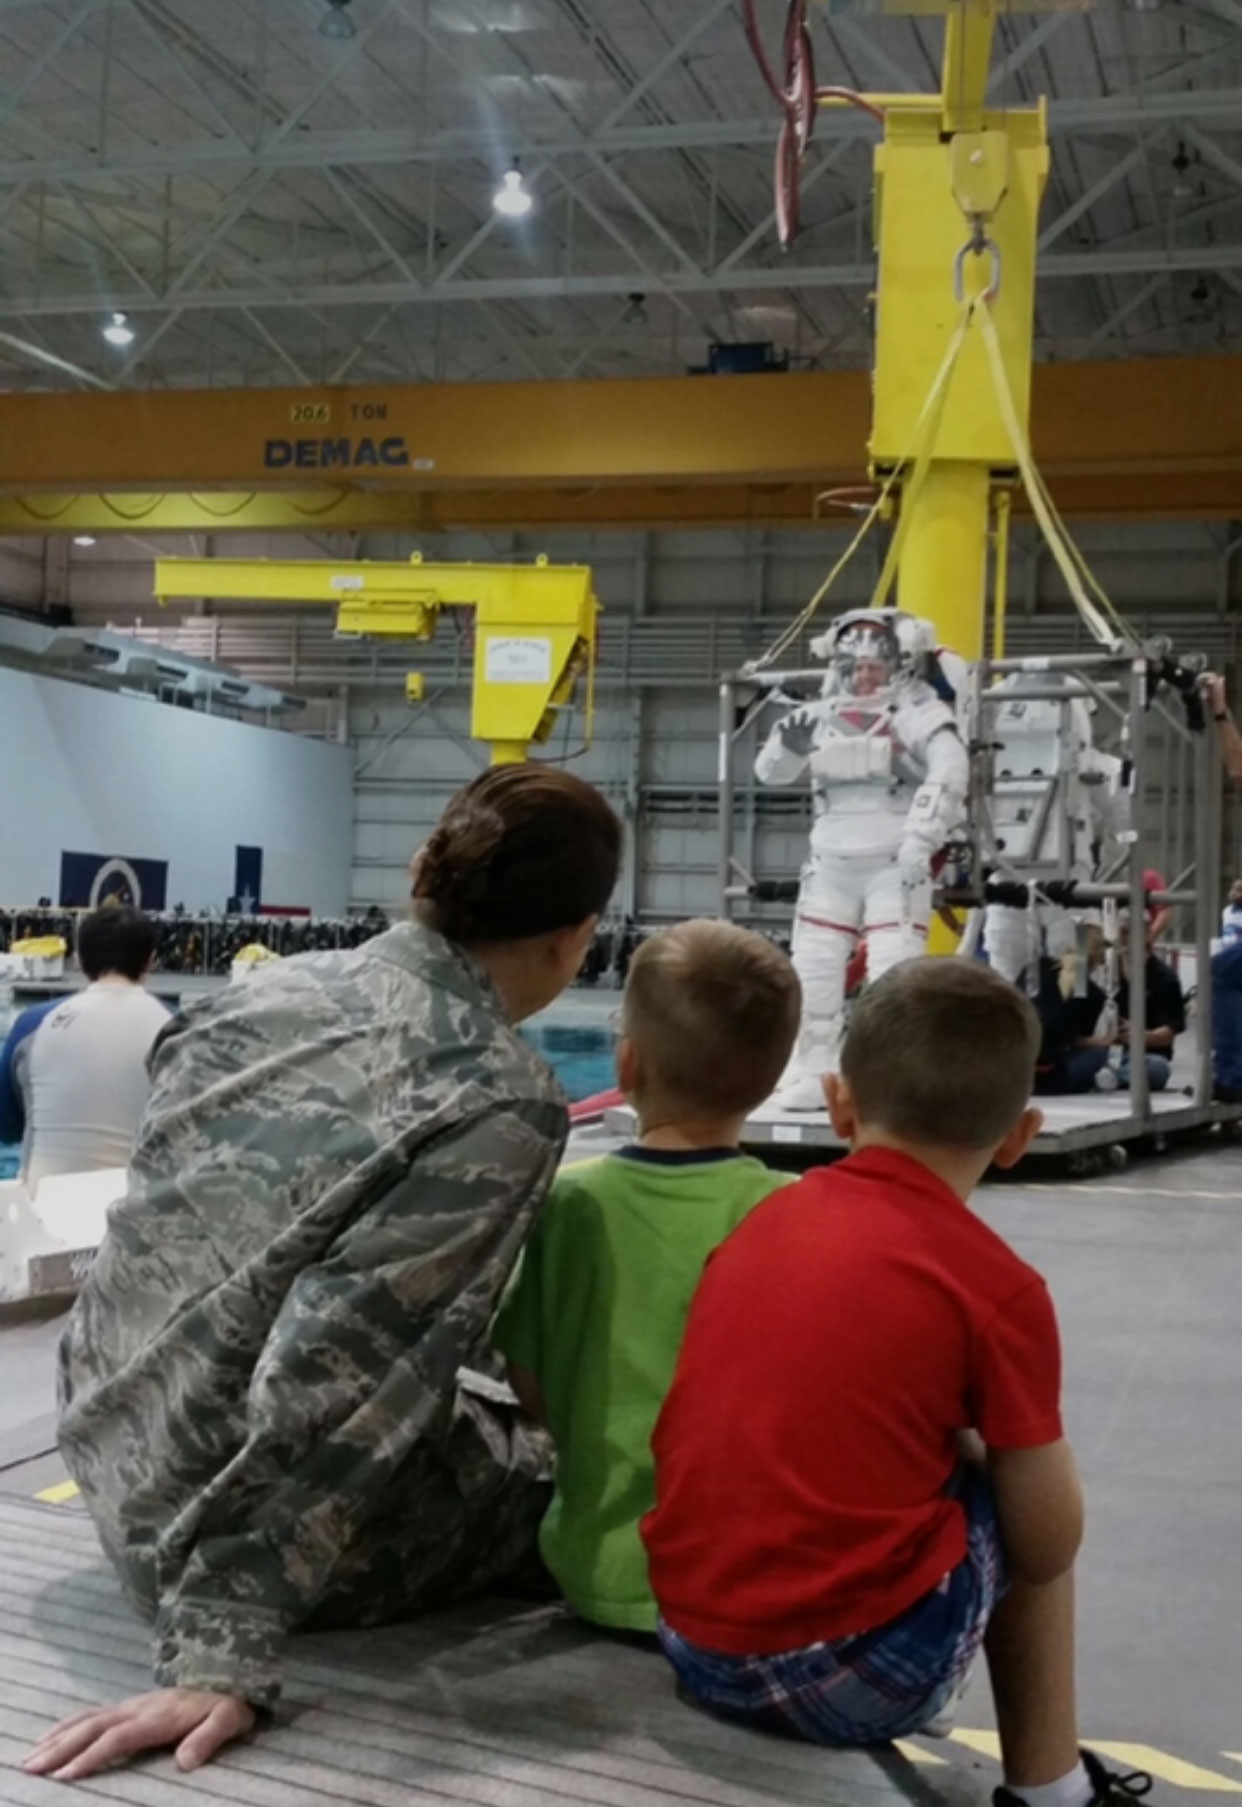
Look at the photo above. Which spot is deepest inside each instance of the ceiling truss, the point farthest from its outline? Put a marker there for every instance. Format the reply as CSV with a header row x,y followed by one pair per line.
x,y
269,207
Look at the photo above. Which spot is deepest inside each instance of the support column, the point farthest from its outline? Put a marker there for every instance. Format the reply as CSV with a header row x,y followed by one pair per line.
x,y
509,752
943,575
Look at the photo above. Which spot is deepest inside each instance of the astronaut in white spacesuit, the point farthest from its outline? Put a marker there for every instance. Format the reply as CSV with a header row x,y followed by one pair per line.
x,y
1041,744
889,776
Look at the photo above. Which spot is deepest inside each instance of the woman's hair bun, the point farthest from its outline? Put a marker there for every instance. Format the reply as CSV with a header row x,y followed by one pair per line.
x,y
522,851
467,837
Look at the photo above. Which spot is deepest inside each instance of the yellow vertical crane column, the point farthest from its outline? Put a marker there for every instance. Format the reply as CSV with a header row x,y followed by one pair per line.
x,y
957,198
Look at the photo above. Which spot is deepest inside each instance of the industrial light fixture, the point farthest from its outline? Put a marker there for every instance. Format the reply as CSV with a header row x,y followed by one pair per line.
x,y
635,311
1181,164
336,22
119,331
84,539
513,198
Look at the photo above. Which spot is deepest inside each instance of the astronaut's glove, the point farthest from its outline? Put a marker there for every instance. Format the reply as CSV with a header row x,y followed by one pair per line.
x,y
913,868
797,732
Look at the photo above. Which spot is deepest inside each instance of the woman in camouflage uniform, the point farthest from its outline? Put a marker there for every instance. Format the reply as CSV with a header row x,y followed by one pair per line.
x,y
341,1159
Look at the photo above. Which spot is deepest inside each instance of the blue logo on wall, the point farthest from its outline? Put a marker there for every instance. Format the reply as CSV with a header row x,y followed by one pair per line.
x,y
88,880
335,454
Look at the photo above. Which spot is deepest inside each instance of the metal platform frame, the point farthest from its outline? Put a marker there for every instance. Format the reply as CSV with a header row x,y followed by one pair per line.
x,y
1122,682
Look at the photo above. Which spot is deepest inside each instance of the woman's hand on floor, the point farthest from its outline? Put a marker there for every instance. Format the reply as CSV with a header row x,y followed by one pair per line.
x,y
197,1721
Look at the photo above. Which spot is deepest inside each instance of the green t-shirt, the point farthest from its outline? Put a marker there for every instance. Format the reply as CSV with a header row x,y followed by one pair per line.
x,y
596,1311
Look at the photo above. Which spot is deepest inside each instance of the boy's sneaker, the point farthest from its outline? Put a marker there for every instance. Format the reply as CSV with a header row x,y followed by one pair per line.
x,y
1109,1788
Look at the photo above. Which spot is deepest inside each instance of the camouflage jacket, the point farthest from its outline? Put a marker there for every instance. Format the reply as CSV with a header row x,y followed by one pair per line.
x,y
340,1161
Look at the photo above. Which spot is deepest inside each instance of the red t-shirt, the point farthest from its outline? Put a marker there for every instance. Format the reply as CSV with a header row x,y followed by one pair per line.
x,y
837,1342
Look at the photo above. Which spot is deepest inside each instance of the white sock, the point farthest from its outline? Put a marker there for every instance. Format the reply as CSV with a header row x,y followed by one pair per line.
x,y
1073,1790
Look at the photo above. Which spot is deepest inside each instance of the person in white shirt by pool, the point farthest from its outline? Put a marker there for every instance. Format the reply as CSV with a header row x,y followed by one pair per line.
x,y
86,1081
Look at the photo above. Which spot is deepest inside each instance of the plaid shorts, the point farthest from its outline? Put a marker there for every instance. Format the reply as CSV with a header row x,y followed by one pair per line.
x,y
877,1685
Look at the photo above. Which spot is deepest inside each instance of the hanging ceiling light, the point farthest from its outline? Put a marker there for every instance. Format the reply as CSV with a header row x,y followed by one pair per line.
x,y
118,331
336,22
84,539
513,198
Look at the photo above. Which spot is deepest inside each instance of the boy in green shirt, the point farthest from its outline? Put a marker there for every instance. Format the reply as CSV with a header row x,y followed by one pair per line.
x,y
592,1322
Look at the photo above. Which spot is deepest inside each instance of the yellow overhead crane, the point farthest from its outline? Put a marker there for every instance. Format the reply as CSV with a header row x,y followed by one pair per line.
x,y
535,625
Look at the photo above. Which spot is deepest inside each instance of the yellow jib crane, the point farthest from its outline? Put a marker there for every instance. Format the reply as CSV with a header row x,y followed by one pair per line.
x,y
535,625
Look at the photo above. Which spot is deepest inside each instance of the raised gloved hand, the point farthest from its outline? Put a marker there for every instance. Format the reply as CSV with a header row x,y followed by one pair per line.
x,y
797,732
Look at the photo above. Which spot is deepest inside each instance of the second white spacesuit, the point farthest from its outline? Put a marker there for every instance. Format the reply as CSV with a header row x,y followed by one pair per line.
x,y
1056,803
889,775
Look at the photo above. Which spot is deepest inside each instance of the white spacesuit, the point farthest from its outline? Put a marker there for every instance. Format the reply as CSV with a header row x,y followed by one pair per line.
x,y
889,778
1042,749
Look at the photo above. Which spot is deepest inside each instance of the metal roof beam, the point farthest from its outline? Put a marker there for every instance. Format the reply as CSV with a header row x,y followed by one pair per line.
x,y
1120,315
1087,200
1117,113
1091,263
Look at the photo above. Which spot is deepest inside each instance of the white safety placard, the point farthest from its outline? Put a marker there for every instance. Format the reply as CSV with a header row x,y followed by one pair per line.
x,y
518,661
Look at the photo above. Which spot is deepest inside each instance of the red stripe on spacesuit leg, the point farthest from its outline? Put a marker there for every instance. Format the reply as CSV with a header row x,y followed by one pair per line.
x,y
838,928
874,928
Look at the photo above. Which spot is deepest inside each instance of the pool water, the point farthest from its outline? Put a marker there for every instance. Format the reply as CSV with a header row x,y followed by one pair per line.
x,y
580,1054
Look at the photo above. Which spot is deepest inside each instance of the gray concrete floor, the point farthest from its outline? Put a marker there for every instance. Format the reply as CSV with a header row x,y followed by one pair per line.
x,y
503,1708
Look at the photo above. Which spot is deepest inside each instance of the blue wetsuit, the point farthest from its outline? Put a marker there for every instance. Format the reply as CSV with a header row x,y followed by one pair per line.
x,y
12,1103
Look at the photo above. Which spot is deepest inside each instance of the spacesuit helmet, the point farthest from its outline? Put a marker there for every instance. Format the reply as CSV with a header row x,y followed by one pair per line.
x,y
866,653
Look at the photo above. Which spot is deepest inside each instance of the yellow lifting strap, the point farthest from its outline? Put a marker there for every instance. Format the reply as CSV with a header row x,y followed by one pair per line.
x,y
1104,622
1096,609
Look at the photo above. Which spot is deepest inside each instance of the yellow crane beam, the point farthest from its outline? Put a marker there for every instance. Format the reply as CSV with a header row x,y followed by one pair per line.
x,y
534,625
1160,438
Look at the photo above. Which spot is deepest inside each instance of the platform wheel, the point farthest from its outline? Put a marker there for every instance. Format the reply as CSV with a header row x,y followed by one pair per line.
x,y
1118,1157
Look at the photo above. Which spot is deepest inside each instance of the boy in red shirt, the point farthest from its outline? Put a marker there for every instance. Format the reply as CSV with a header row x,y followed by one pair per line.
x,y
832,1542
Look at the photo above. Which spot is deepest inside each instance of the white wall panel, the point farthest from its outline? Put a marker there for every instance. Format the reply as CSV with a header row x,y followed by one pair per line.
x,y
91,772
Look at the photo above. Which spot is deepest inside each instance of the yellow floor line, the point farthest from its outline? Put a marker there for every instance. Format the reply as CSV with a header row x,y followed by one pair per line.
x,y
57,1496
1166,1768
914,1753
986,1743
